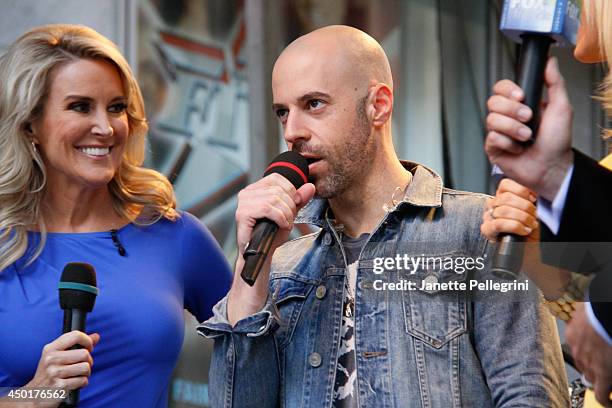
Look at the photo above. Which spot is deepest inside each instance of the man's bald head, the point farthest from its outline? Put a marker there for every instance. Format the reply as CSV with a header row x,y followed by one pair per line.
x,y
332,92
356,57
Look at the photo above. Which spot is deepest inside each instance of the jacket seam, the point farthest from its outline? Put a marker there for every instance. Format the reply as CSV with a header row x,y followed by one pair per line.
x,y
451,191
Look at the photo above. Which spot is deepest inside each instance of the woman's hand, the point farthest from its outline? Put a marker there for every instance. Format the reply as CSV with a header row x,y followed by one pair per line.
x,y
63,368
511,211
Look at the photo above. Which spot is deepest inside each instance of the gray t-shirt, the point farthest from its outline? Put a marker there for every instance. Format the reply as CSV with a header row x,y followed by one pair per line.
x,y
345,395
352,246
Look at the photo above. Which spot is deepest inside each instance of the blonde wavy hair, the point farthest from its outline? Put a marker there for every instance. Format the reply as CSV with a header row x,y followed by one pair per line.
x,y
599,13
139,195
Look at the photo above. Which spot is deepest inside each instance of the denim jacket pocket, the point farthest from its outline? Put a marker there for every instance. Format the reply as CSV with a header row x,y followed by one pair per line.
x,y
289,294
436,315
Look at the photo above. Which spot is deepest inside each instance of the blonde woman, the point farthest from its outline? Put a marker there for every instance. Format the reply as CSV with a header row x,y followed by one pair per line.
x,y
575,191
72,188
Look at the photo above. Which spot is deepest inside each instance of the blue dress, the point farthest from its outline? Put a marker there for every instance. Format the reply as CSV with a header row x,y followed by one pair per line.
x,y
169,266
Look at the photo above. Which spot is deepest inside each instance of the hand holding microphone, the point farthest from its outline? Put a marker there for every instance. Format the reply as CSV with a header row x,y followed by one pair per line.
x,y
542,165
293,169
66,362
532,149
264,218
512,210
63,367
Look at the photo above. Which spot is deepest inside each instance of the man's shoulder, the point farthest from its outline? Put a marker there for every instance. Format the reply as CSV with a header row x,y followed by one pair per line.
x,y
463,201
467,195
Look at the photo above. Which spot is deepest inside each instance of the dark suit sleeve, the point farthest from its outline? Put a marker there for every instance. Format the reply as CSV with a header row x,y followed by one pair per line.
x,y
587,215
584,240
601,288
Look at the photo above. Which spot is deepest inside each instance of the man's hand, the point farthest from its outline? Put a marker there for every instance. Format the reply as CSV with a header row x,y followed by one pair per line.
x,y
543,165
275,198
592,354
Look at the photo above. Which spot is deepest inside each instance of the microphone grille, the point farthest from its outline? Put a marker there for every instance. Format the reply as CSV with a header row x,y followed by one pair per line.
x,y
291,165
78,286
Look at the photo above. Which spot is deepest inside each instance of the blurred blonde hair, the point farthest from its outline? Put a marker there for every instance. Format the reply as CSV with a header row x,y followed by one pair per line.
x,y
599,13
140,195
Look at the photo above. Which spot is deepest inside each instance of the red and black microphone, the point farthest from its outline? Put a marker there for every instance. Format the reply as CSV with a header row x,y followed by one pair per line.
x,y
294,167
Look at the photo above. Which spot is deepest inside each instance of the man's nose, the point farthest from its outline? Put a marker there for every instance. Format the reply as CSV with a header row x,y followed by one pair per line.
x,y
294,129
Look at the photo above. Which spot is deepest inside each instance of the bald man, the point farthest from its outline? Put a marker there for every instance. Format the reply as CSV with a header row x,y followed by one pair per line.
x,y
325,325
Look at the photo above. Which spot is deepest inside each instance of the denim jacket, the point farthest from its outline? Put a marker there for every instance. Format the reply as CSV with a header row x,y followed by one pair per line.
x,y
414,348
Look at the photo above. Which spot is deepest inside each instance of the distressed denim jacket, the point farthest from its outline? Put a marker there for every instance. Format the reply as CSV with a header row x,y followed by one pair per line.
x,y
414,348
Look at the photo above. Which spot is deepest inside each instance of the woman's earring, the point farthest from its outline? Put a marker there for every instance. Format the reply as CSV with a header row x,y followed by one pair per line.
x,y
34,146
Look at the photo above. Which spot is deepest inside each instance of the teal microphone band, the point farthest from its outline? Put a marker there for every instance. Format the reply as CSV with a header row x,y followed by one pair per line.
x,y
78,286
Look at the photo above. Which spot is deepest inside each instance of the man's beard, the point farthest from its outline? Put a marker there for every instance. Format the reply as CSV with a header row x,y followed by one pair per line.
x,y
347,163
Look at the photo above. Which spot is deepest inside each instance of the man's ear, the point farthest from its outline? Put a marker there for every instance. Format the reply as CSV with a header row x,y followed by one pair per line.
x,y
380,104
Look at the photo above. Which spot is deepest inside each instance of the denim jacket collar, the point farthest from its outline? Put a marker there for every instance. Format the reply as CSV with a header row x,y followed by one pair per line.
x,y
425,190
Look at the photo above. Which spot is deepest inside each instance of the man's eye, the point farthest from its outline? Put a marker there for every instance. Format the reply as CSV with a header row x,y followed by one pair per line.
x,y
118,107
281,113
315,103
81,107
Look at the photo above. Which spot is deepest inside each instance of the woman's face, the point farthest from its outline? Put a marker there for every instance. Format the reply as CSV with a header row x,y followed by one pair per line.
x,y
84,125
587,43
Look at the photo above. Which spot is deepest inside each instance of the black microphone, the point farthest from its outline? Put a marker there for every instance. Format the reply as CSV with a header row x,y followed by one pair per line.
x,y
77,295
537,25
294,167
